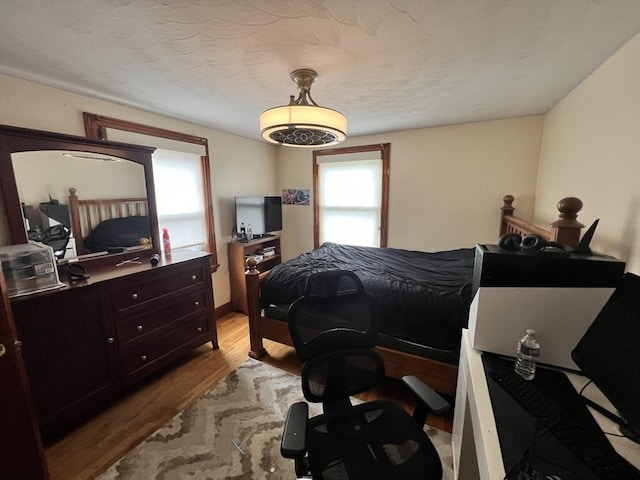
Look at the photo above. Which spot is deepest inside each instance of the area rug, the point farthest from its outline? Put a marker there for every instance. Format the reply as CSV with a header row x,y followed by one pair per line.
x,y
232,432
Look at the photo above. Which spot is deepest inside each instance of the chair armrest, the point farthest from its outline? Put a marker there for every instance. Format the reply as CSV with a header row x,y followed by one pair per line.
x,y
430,400
294,437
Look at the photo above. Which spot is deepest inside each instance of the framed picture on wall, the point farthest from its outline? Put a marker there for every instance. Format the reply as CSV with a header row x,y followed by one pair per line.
x,y
295,196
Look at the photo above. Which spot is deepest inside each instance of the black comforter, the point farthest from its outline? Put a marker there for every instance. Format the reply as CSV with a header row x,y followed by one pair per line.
x,y
118,232
420,297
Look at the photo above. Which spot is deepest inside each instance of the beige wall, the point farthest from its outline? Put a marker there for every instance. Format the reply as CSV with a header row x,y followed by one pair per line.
x,y
446,184
239,166
591,149
40,175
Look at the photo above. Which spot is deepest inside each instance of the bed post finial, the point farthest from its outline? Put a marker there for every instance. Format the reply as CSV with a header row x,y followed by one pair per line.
x,y
566,230
569,207
251,264
506,211
508,200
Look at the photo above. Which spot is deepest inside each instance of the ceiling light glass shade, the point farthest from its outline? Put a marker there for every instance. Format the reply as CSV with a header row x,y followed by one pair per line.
x,y
303,126
303,123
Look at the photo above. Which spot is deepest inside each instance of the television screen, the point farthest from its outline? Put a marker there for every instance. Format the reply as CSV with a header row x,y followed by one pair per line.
x,y
273,214
262,213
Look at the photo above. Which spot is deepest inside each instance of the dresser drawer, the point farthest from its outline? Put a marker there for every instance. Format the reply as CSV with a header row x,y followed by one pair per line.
x,y
161,316
146,287
155,352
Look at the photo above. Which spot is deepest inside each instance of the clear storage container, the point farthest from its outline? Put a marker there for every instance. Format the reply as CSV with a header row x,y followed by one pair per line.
x,y
29,268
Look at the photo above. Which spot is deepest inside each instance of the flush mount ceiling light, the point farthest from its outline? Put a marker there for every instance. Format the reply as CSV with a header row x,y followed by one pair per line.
x,y
303,123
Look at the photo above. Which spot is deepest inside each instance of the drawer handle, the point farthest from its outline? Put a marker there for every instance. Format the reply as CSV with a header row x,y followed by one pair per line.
x,y
110,340
194,277
139,328
143,358
134,296
199,329
196,303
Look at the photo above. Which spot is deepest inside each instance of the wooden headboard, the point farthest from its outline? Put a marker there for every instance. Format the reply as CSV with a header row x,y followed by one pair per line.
x,y
87,214
565,230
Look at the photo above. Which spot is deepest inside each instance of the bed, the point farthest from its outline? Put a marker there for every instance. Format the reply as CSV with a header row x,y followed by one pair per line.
x,y
101,224
420,336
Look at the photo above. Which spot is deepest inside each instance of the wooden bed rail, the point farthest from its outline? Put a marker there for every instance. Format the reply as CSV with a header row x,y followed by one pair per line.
x,y
565,231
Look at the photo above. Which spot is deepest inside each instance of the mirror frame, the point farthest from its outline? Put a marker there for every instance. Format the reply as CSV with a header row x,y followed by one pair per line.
x,y
17,140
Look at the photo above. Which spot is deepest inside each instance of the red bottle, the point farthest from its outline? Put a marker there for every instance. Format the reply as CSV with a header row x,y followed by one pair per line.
x,y
166,241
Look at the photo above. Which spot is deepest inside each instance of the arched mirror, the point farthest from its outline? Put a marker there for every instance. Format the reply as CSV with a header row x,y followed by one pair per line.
x,y
86,198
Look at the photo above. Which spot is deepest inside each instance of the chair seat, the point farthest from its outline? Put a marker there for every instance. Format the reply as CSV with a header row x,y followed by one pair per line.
x,y
374,440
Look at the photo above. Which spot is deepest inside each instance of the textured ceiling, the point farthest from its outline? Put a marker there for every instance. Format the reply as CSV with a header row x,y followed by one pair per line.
x,y
386,64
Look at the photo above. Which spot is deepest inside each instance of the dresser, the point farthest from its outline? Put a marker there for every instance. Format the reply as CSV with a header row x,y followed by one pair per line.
x,y
87,342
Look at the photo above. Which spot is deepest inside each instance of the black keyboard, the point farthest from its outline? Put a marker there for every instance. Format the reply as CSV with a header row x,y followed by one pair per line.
x,y
569,420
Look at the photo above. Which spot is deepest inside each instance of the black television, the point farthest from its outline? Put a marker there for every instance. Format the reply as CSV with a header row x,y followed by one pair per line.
x,y
262,214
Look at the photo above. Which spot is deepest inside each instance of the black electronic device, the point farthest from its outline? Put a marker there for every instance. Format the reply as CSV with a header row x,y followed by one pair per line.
x,y
608,353
262,214
496,266
544,426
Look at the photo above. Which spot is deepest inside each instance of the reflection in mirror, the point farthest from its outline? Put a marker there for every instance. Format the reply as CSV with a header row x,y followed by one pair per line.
x,y
109,211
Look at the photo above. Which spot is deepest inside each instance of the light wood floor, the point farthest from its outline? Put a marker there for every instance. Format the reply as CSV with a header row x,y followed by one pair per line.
x,y
101,440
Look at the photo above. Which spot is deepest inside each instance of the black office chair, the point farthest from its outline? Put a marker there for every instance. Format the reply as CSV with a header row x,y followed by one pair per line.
x,y
332,328
57,237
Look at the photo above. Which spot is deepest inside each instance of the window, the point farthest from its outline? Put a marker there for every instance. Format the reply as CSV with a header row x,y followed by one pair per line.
x,y
350,198
179,198
179,211
351,192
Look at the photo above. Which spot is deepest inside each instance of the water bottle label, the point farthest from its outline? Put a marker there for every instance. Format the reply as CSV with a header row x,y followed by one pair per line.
x,y
532,352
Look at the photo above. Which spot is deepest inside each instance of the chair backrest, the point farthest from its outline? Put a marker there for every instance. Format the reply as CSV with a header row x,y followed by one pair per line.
x,y
333,331
335,312
57,237
333,377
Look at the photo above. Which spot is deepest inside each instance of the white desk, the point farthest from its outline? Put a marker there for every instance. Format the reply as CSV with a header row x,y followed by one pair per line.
x,y
475,445
476,449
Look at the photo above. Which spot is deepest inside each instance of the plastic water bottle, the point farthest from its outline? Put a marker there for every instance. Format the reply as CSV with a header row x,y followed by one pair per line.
x,y
527,353
249,232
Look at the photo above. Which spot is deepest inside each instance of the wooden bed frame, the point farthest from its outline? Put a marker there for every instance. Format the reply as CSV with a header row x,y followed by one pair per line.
x,y
565,230
439,375
87,214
